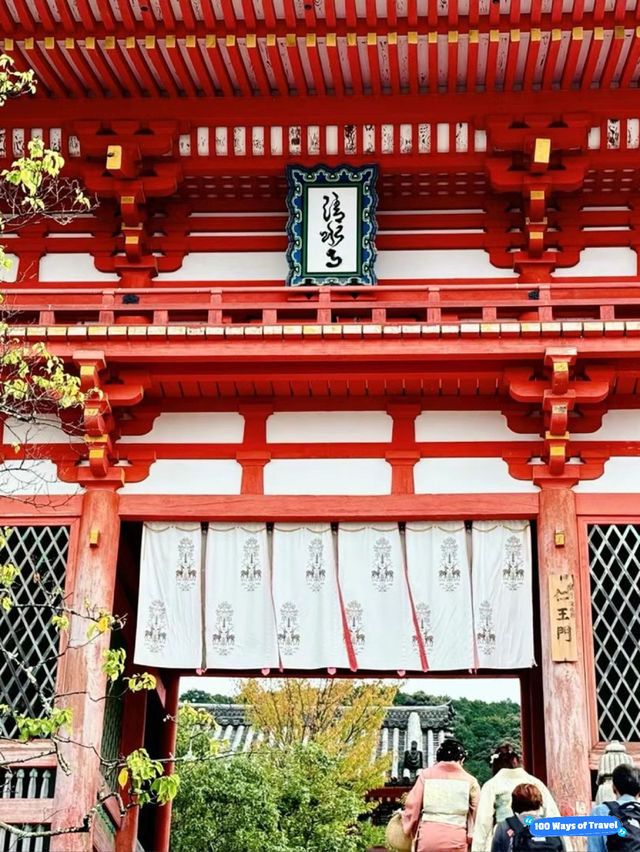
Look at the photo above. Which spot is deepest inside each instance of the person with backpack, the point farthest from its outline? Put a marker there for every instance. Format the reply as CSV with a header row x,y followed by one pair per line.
x,y
440,807
626,788
512,835
495,797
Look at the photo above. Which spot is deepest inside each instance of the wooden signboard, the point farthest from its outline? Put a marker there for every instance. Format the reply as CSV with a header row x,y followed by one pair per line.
x,y
562,612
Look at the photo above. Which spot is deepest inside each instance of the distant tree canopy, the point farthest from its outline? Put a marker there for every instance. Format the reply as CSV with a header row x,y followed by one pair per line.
x,y
199,696
406,699
483,725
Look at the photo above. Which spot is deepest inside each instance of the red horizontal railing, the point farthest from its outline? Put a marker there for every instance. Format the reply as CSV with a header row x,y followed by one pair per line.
x,y
191,304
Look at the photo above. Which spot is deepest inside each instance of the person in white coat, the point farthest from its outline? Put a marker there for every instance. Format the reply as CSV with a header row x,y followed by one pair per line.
x,y
494,804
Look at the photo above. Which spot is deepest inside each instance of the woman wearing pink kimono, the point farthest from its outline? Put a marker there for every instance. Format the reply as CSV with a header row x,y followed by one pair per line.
x,y
440,809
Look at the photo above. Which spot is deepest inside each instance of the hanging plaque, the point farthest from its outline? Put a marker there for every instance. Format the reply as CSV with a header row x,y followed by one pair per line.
x,y
331,225
562,608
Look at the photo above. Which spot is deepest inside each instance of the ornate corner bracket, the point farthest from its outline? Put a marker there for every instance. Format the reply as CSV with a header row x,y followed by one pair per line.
x,y
550,402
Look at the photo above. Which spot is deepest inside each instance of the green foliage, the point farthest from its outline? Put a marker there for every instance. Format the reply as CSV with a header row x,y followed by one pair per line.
x,y
142,772
147,780
482,726
411,699
14,83
199,696
306,793
51,725
196,730
113,661
27,173
138,682
319,808
275,800
101,621
61,621
226,807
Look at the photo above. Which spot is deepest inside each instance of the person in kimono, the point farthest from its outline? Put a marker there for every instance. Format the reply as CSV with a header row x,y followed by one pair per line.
x,y
440,808
495,797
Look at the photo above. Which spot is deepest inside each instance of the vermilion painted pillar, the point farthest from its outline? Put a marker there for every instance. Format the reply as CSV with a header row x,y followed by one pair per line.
x,y
567,736
163,818
132,738
81,682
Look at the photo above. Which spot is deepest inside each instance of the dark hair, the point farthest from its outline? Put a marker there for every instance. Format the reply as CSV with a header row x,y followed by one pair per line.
x,y
526,797
505,757
451,750
626,779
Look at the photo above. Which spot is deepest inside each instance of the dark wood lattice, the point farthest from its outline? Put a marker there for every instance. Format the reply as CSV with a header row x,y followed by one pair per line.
x,y
28,639
614,558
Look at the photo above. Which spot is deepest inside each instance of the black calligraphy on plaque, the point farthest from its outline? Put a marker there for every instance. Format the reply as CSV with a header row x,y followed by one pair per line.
x,y
562,610
334,216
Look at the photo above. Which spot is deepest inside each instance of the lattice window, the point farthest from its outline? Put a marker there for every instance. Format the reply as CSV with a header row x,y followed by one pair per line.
x,y
614,558
112,725
27,637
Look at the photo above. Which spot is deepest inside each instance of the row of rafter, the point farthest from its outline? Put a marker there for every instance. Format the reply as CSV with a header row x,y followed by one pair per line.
x,y
382,61
165,16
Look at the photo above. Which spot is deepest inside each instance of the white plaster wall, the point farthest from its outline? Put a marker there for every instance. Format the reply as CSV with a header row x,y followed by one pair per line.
x,y
466,426
47,430
299,427
602,261
189,476
33,477
467,476
230,266
272,265
617,425
621,476
327,476
197,427
72,267
438,263
8,276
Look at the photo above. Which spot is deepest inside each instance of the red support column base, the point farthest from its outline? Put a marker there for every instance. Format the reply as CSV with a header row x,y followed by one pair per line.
x,y
567,733
81,680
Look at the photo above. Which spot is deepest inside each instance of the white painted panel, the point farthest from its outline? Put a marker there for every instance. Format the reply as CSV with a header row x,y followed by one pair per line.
x,y
438,263
230,266
594,138
327,476
36,477
616,426
467,476
269,266
200,427
189,476
602,261
47,430
72,267
442,138
300,427
8,276
466,426
621,476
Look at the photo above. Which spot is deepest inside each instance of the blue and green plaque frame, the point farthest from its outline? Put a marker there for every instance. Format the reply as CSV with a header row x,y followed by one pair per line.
x,y
332,225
